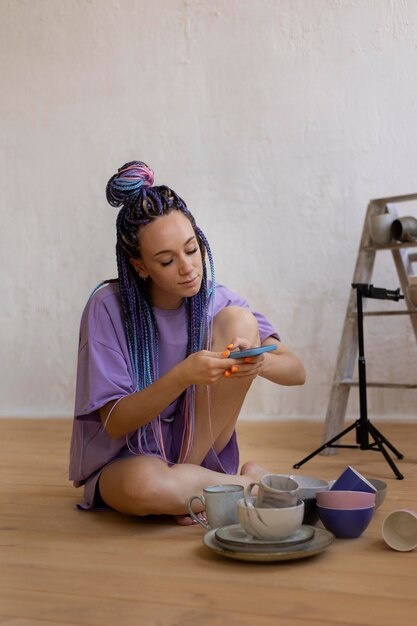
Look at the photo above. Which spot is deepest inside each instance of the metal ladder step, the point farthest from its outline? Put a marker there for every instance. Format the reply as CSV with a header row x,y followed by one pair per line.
x,y
354,383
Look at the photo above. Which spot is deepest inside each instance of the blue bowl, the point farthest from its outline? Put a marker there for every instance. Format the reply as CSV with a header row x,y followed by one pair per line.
x,y
345,523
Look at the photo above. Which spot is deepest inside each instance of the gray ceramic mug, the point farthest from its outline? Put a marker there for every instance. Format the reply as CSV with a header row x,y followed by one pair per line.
x,y
274,490
404,228
220,504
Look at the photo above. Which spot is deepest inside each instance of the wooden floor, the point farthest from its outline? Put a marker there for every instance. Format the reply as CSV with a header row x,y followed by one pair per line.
x,y
61,566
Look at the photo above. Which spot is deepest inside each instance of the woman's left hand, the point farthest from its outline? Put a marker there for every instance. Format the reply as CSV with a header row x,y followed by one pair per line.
x,y
247,367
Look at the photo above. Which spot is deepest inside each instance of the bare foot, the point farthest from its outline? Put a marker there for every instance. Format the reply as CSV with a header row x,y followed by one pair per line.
x,y
253,471
186,520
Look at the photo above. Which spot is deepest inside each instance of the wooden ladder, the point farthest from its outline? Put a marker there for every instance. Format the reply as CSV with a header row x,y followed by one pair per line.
x,y
403,257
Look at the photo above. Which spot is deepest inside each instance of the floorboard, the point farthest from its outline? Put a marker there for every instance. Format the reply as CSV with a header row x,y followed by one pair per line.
x,y
64,567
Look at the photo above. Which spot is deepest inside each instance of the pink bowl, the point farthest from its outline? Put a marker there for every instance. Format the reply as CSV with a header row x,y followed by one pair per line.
x,y
345,499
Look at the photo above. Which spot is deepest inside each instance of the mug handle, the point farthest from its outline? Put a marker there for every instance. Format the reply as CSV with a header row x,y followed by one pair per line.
x,y
248,492
193,515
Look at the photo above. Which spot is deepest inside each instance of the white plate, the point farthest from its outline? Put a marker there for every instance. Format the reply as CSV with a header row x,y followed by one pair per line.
x,y
234,536
322,538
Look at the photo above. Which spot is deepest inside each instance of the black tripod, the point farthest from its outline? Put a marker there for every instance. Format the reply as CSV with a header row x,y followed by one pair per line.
x,y
363,426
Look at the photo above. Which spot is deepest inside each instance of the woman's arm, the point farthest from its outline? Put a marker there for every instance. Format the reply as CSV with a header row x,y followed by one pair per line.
x,y
282,367
139,408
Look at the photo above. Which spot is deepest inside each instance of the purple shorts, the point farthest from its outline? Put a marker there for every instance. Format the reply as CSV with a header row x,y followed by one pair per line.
x,y
226,462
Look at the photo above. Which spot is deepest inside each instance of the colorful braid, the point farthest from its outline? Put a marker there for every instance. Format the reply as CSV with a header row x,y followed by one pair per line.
x,y
131,189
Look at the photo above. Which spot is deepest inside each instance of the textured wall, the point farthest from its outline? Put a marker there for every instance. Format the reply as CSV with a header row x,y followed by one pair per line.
x,y
276,120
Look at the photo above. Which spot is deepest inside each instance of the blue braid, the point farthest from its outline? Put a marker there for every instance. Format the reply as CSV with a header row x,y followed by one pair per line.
x,y
131,189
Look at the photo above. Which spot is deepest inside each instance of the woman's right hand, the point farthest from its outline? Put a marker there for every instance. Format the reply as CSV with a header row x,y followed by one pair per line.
x,y
204,367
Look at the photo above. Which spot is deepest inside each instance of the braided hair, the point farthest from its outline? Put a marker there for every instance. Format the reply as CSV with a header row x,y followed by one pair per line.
x,y
131,188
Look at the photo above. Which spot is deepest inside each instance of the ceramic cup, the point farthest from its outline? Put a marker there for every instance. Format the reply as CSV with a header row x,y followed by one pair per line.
x,y
399,530
274,490
380,228
270,523
220,504
352,480
404,228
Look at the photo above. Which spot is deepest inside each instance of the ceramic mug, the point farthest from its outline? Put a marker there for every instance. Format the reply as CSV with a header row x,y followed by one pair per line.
x,y
274,490
352,480
380,228
404,228
399,530
220,504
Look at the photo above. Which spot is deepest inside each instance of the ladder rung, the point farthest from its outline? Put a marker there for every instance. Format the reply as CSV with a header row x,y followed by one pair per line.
x,y
370,313
355,383
353,314
391,246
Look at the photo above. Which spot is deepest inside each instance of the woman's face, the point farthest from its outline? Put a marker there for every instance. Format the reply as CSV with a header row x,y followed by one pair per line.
x,y
170,259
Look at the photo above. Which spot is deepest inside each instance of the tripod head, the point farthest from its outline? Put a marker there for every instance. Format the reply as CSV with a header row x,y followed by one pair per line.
x,y
369,291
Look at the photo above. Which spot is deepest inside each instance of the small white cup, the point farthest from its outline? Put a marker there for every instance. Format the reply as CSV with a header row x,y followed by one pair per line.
x,y
274,490
380,228
220,504
399,530
270,523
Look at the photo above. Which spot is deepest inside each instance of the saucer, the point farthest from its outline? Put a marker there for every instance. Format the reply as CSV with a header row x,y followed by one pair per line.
x,y
321,539
234,536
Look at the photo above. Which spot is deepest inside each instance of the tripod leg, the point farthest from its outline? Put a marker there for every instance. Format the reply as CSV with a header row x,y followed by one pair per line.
x,y
385,441
328,444
375,434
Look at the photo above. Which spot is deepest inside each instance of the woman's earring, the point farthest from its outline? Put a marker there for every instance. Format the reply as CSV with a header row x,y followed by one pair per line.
x,y
143,276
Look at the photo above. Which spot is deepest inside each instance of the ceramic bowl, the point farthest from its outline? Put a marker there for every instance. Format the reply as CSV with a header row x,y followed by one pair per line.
x,y
270,523
351,480
381,490
345,499
346,523
308,487
311,514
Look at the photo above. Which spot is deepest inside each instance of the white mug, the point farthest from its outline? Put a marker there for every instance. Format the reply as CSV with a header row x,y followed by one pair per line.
x,y
274,490
380,228
220,504
399,530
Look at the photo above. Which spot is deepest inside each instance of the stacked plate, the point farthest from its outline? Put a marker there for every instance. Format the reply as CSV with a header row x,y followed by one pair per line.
x,y
236,538
234,542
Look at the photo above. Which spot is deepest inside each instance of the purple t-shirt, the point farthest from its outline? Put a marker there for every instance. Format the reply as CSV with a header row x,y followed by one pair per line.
x,y
105,373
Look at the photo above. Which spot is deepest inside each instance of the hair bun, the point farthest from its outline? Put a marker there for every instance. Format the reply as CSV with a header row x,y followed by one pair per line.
x,y
128,181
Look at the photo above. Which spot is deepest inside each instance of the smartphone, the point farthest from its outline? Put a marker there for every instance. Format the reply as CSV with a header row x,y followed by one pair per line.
x,y
240,354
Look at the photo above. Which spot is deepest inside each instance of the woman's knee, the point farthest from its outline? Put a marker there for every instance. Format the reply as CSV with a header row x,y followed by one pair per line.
x,y
137,488
236,321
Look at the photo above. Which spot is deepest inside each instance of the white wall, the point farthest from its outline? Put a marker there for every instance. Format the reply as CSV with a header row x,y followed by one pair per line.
x,y
276,120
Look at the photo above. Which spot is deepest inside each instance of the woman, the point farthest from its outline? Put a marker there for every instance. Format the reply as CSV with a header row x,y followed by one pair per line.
x,y
157,396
